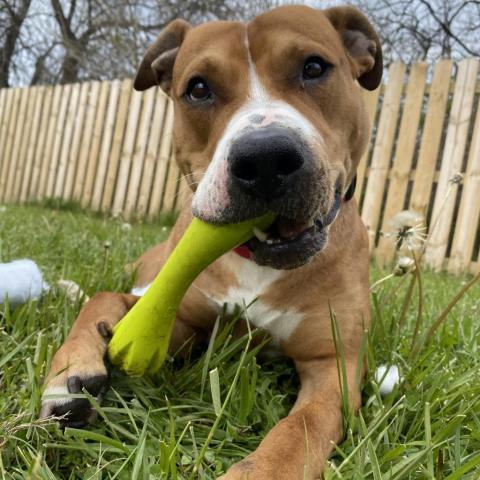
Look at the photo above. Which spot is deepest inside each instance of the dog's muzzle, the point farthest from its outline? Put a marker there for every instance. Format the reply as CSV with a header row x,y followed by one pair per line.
x,y
265,163
275,169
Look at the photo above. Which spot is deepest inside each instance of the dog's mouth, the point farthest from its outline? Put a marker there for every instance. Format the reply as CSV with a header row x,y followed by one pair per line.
x,y
287,243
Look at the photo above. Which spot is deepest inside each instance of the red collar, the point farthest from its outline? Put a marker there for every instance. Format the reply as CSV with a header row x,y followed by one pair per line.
x,y
243,251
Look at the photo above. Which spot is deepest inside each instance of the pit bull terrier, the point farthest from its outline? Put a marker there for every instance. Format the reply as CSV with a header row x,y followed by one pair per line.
x,y
268,117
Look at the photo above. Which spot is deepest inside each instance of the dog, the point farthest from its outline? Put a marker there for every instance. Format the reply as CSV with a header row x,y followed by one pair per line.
x,y
268,117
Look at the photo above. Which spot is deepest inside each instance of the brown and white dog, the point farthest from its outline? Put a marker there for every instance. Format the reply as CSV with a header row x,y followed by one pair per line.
x,y
268,117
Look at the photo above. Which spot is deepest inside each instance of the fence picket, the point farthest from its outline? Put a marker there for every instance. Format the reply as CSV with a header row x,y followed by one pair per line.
x,y
32,145
106,145
452,159
15,139
4,117
432,133
3,113
59,137
468,218
25,141
68,127
402,163
139,152
7,121
162,164
77,142
382,151
52,124
161,102
117,142
87,137
370,99
95,145
39,158
127,152
171,185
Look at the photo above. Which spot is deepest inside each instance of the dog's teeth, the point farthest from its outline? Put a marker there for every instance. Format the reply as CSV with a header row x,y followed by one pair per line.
x,y
269,241
262,236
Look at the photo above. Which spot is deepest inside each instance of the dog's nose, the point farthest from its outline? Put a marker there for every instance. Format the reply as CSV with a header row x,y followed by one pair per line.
x,y
265,162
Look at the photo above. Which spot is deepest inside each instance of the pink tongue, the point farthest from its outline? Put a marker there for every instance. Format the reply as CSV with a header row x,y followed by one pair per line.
x,y
290,229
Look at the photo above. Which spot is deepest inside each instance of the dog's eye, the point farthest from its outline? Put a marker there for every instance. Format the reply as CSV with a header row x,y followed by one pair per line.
x,y
198,90
314,67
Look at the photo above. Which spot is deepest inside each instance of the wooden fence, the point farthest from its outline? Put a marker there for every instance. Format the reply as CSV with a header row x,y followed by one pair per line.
x,y
110,148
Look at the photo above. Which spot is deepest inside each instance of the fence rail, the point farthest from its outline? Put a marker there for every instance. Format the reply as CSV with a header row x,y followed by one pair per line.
x,y
108,147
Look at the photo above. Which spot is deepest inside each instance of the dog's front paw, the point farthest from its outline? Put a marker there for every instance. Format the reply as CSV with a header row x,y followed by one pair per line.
x,y
74,368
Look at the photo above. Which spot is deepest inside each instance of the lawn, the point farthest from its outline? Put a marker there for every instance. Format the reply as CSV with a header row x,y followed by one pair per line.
x,y
428,427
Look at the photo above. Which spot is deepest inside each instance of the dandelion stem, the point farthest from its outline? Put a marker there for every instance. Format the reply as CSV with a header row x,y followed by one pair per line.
x,y
419,320
379,282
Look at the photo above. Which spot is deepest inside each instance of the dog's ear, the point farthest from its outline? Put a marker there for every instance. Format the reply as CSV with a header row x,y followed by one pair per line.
x,y
361,42
156,67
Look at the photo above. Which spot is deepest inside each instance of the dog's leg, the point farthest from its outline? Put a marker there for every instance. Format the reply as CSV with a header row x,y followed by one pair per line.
x,y
80,361
299,445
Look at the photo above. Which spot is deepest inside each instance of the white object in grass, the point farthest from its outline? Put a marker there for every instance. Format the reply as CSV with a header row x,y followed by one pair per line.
x,y
20,281
387,377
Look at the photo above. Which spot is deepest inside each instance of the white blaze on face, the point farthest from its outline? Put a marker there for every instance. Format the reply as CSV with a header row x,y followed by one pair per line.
x,y
259,111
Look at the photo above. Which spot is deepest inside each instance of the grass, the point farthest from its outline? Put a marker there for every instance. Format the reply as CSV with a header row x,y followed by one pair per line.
x,y
428,427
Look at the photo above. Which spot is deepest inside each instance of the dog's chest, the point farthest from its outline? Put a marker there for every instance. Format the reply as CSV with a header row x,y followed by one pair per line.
x,y
252,281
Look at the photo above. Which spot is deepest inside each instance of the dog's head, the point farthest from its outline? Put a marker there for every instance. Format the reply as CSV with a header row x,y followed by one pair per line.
x,y
269,117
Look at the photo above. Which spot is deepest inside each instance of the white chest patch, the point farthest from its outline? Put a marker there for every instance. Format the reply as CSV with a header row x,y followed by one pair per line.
x,y
253,281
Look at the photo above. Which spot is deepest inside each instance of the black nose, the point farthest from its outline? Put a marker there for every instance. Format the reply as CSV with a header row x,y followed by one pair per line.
x,y
264,163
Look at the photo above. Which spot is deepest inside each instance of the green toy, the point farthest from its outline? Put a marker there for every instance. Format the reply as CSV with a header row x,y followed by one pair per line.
x,y
140,340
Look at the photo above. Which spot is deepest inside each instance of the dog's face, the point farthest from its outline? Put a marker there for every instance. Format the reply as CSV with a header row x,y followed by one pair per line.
x,y
269,117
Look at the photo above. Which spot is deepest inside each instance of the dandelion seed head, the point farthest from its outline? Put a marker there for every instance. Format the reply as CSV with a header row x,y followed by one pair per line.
x,y
408,230
403,266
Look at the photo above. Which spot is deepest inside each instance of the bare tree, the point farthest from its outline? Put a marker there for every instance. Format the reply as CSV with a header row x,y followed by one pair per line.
x,y
425,29
12,16
73,40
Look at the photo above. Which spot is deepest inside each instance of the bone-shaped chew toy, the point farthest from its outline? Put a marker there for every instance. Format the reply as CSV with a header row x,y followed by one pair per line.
x,y
140,340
